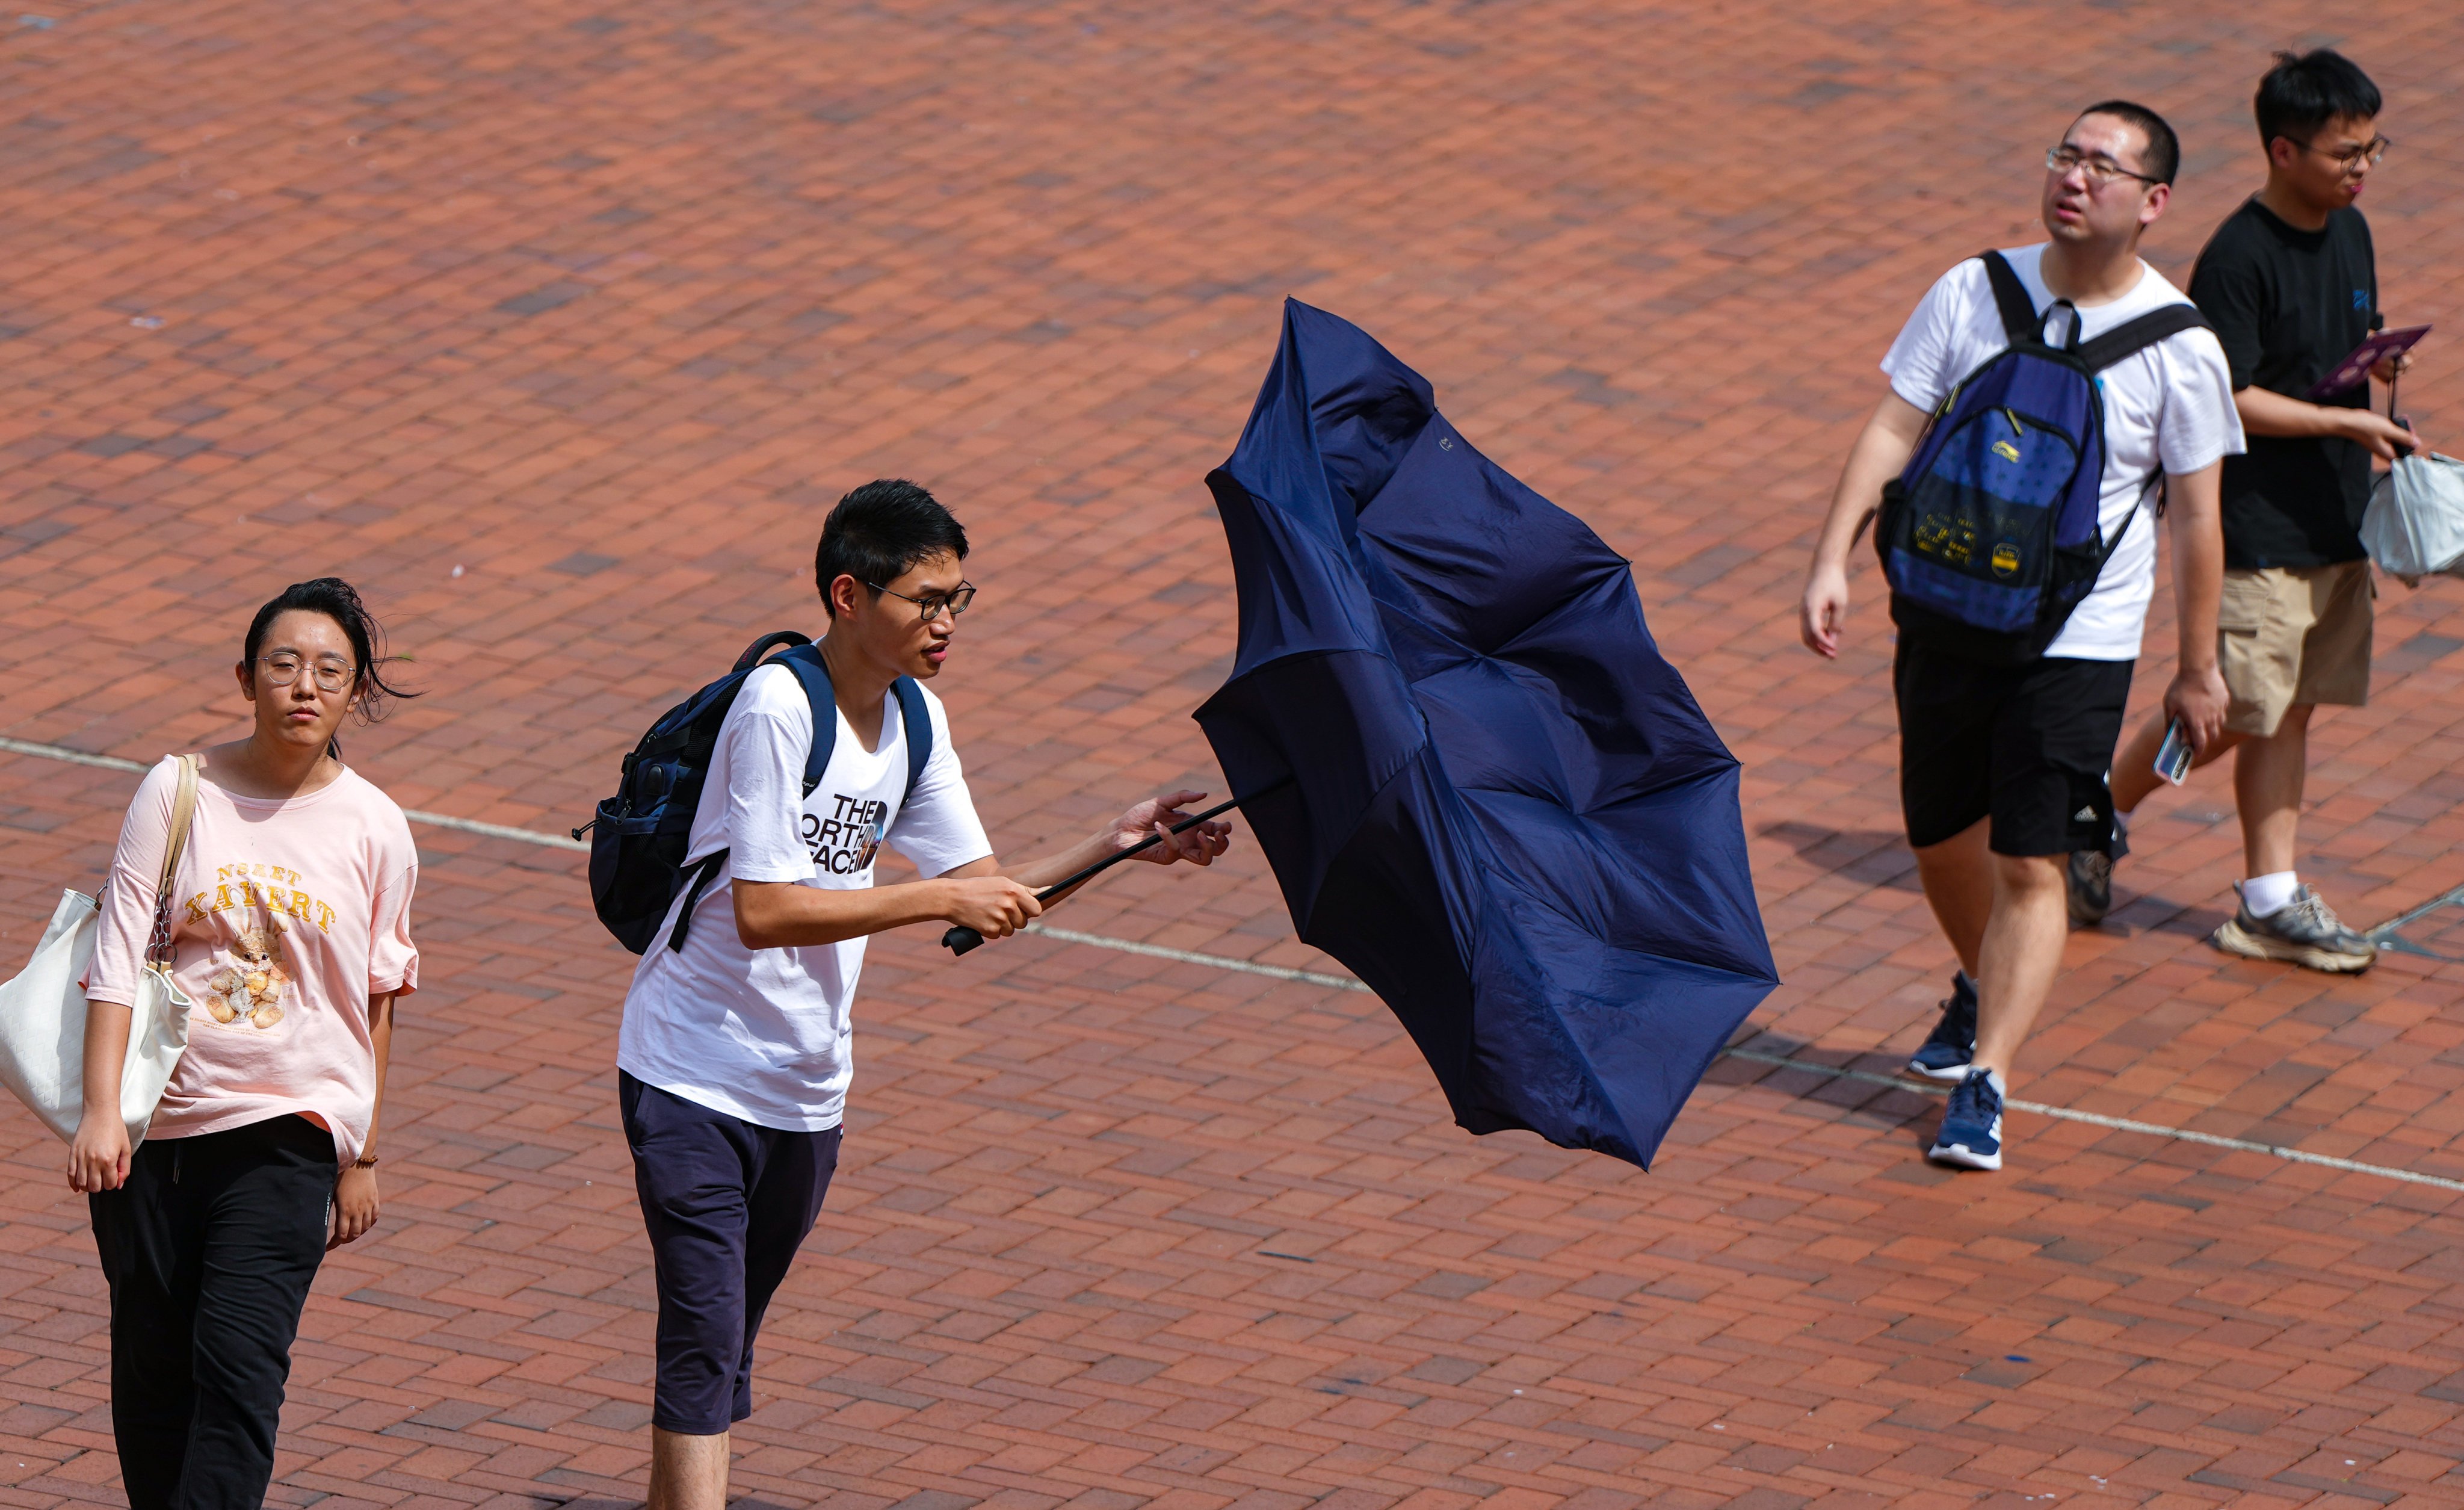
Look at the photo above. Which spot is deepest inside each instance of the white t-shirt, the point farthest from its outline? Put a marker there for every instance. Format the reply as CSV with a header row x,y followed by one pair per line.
x,y
763,1034
2171,403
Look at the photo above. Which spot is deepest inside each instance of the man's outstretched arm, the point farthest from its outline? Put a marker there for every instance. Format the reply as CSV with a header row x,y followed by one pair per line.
x,y
983,894
1154,817
778,915
1881,450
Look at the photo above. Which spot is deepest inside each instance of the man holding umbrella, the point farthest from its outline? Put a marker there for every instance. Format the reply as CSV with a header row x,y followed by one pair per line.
x,y
734,1060
2005,738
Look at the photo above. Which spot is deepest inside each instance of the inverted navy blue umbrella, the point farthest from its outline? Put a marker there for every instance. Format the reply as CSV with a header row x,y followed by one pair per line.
x,y
1479,784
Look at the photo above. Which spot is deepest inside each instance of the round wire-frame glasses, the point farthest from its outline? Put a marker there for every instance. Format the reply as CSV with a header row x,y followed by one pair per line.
x,y
330,675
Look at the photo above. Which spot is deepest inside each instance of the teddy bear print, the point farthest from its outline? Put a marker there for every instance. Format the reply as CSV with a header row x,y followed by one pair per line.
x,y
248,987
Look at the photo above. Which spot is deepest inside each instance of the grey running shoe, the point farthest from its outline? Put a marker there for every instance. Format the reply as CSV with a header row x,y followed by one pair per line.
x,y
2305,931
2091,887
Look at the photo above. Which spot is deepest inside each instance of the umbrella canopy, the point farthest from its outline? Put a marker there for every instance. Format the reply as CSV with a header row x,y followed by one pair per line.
x,y
1504,811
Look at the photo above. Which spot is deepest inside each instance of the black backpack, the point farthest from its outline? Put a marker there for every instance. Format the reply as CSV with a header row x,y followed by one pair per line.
x,y
638,839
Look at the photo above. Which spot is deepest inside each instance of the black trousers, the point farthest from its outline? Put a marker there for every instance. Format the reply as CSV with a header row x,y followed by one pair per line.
x,y
209,1249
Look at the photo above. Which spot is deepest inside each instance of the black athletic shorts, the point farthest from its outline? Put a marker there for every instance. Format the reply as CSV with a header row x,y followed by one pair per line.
x,y
2026,745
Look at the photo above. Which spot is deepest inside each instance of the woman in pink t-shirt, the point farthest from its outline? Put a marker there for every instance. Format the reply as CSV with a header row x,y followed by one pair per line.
x,y
290,934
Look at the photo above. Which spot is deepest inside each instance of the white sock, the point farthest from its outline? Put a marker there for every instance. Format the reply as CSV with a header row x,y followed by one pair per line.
x,y
2271,893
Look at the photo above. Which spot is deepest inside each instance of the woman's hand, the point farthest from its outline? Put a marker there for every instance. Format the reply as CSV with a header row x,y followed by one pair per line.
x,y
355,1206
98,1154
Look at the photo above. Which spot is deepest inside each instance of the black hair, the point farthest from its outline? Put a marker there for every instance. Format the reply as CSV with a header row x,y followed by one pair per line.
x,y
2305,91
2162,157
881,529
337,600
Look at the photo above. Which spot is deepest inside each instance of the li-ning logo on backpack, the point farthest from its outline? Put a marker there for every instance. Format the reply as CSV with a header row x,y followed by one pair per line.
x,y
2006,450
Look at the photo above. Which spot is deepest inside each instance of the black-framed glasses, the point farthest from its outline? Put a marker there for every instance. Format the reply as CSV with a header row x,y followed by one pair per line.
x,y
282,669
932,605
2101,171
2353,157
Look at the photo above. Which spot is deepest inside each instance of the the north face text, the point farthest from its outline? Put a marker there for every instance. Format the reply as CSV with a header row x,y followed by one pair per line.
x,y
846,841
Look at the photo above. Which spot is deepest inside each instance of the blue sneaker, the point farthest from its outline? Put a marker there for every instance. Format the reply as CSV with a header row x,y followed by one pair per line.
x,y
1971,1125
1945,1055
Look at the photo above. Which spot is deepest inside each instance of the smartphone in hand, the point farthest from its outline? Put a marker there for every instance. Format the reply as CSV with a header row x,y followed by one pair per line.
x,y
2174,755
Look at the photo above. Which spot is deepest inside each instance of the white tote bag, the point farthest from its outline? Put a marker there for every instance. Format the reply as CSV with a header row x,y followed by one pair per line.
x,y
42,1011
2415,525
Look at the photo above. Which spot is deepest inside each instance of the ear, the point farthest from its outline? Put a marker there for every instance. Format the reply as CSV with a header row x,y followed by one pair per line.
x,y
246,672
844,595
2159,195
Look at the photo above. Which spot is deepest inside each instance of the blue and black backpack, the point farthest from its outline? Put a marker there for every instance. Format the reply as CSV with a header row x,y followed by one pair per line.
x,y
638,839
1991,537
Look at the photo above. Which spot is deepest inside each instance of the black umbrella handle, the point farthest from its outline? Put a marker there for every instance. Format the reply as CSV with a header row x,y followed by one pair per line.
x,y
960,937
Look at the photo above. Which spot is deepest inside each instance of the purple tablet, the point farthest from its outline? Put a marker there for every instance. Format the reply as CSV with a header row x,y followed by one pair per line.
x,y
2358,361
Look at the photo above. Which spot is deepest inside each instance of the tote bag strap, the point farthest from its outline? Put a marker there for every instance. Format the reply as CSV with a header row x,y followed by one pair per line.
x,y
184,812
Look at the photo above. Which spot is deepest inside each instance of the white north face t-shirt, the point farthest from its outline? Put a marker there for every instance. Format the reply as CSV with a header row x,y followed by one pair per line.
x,y
2170,404
763,1034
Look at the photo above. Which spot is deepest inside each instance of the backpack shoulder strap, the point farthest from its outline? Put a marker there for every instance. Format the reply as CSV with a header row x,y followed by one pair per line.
x,y
803,659
918,723
2137,335
701,872
2020,321
767,643
814,676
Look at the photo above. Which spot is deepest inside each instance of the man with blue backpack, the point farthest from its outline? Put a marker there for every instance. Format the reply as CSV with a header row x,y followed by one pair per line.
x,y
2046,402
738,862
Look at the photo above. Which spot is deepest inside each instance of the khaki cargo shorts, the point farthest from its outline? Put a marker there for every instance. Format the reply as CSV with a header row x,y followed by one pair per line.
x,y
2288,635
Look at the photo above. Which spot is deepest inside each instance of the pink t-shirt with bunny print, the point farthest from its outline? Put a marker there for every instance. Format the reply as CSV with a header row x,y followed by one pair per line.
x,y
286,918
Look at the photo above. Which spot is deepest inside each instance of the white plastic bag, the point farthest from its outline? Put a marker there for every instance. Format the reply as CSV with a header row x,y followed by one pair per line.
x,y
2415,525
43,1009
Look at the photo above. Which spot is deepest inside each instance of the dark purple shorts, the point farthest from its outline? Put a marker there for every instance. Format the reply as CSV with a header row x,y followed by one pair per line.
x,y
727,1203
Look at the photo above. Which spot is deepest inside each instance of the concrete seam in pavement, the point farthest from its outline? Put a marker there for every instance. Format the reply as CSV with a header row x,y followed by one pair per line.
x,y
439,820
1279,972
2117,1124
1221,962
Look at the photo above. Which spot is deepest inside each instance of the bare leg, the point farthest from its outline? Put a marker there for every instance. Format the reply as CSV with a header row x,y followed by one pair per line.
x,y
2021,952
1958,880
688,1473
2134,769
2268,776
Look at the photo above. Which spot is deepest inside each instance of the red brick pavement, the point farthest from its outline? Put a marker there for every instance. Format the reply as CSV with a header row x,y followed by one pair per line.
x,y
555,325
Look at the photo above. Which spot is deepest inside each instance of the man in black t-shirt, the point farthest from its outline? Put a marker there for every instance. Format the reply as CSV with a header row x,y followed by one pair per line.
x,y
2289,282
